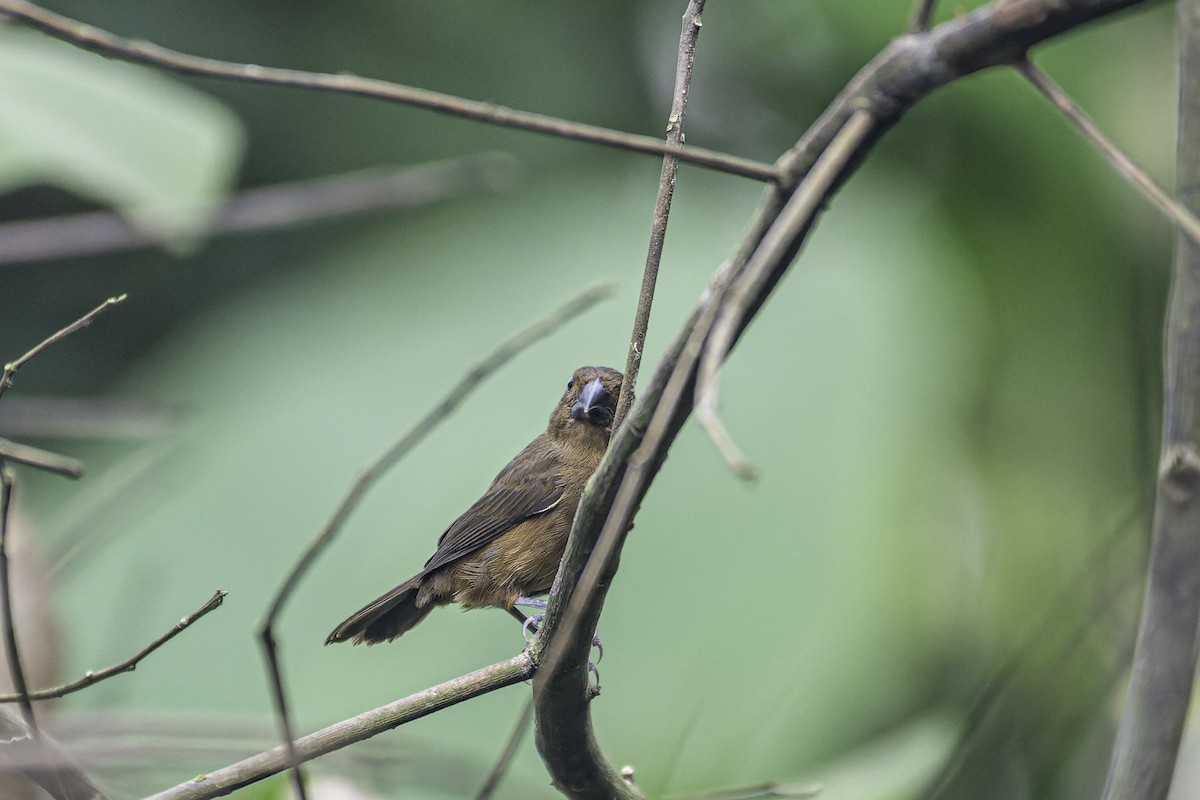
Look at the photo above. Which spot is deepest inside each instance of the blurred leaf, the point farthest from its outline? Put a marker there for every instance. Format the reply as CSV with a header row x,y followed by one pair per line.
x,y
121,135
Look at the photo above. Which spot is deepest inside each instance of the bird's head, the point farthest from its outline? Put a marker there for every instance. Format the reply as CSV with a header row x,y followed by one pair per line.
x,y
587,407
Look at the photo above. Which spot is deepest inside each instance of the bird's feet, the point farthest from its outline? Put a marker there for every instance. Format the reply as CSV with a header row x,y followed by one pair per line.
x,y
529,626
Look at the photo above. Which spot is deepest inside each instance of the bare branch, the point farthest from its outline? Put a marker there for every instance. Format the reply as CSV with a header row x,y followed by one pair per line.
x,y
504,760
1171,208
797,215
105,43
39,459
471,380
224,781
266,208
283,716
11,651
10,369
129,664
1164,660
662,205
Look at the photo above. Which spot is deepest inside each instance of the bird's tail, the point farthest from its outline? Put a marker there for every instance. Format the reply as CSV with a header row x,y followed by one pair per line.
x,y
385,618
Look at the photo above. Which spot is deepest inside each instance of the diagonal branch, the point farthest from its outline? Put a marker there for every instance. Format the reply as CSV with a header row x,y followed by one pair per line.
x,y
371,723
92,38
1170,208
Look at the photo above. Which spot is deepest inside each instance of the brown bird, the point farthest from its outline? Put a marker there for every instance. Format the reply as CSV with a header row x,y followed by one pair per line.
x,y
507,545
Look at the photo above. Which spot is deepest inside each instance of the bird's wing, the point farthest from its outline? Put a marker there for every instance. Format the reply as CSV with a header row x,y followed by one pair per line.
x,y
527,487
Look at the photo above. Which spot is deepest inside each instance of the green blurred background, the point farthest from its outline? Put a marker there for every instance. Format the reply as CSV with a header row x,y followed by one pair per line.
x,y
951,399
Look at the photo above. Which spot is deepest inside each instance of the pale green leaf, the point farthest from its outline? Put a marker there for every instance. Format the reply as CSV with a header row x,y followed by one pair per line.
x,y
158,151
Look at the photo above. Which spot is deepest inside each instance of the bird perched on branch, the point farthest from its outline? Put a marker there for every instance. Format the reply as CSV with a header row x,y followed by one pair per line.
x,y
507,545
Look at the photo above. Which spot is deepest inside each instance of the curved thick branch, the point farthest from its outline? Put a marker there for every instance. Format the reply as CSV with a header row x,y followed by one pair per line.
x,y
910,68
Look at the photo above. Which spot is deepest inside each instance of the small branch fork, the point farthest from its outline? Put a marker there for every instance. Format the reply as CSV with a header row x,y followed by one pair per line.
x,y
44,460
27,749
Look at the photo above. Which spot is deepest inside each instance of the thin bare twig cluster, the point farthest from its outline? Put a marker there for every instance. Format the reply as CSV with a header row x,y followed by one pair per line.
x,y
46,763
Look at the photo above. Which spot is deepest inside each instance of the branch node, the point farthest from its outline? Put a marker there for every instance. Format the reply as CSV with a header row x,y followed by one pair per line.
x,y
1180,473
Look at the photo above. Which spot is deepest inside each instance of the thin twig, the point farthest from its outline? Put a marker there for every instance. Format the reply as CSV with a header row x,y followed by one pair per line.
x,y
1171,208
662,205
922,12
797,213
555,651
266,208
508,348
92,38
40,459
371,723
504,760
10,369
12,652
283,715
128,665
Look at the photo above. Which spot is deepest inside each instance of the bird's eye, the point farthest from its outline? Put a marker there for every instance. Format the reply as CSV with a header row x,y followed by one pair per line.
x,y
570,383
